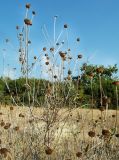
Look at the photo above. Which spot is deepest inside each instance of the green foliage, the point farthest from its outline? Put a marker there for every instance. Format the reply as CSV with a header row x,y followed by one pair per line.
x,y
78,92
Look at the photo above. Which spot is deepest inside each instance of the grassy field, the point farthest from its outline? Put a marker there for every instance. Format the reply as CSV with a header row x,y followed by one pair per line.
x,y
58,134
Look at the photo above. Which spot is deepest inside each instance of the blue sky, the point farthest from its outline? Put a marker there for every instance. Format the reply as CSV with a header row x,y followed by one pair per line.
x,y
96,22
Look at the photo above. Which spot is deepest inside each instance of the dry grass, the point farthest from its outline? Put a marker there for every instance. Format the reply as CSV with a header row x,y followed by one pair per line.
x,y
40,133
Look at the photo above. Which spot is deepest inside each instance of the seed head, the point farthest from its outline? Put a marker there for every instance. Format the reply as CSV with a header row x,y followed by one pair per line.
x,y
78,39
44,49
33,12
28,5
48,151
91,134
79,154
80,56
65,26
100,70
28,22
105,132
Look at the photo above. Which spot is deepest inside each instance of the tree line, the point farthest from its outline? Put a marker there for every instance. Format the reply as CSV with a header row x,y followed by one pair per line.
x,y
81,90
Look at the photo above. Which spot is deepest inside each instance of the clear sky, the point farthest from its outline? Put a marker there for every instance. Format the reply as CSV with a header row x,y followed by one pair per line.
x,y
96,22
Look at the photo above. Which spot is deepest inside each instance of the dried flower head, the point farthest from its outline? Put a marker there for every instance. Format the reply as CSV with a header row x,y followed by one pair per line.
x,y
35,57
52,49
46,55
2,123
48,151
4,152
65,26
91,75
80,56
7,125
69,72
16,128
102,108
57,44
11,108
28,5
27,21
62,54
17,27
100,70
44,49
113,115
31,120
21,115
105,132
79,154
33,12
117,135
55,76
78,39
29,42
47,63
91,134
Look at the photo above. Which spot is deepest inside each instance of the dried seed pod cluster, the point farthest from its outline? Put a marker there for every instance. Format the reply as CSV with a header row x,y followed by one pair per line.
x,y
28,22
48,151
91,134
100,70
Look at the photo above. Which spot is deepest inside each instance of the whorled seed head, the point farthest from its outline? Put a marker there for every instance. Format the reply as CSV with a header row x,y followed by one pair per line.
x,y
91,134
29,42
16,128
11,108
21,115
65,26
62,54
2,123
113,115
91,75
7,125
117,135
100,70
102,108
48,151
80,56
28,22
44,49
35,57
4,152
52,49
55,76
105,132
78,40
69,72
79,154
28,5
33,12
17,27
47,63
